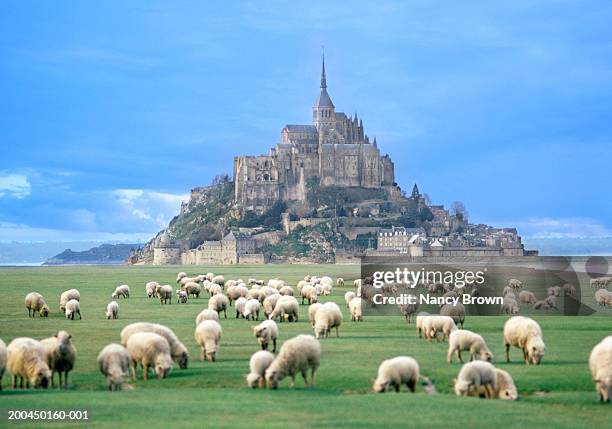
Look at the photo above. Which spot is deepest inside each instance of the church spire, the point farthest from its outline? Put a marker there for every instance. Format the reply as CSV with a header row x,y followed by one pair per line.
x,y
323,79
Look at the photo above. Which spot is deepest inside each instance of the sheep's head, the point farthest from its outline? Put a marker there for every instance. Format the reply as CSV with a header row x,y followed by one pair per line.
x,y
183,360
163,366
604,388
253,380
41,377
44,311
381,384
320,330
114,295
486,355
64,340
68,314
462,388
272,378
508,393
536,350
259,331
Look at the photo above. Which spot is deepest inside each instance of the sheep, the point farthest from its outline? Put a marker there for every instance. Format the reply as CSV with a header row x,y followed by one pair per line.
x,y
551,300
327,318
568,289
149,349
526,334
164,294
215,289
301,284
515,284
505,388
348,297
276,283
112,310
218,303
35,303
3,358
462,339
27,362
510,295
251,310
192,288
355,308
240,303
392,373
527,297
114,364
603,297
434,324
299,354
475,376
455,311
600,364
507,290
67,296
419,321
265,332
553,291
357,283
209,276
207,314
180,275
121,291
286,290
235,292
269,303
220,280
601,282
312,311
408,310
181,296
183,281
73,307
509,306
207,335
310,293
178,350
150,289
287,308
326,289
256,294
541,305
340,282
61,355
258,364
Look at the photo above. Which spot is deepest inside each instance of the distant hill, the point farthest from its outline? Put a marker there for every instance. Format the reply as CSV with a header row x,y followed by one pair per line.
x,y
103,254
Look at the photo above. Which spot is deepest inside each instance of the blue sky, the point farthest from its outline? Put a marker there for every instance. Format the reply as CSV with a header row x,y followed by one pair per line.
x,y
112,111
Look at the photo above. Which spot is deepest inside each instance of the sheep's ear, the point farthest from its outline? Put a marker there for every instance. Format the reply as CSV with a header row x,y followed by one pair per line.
x,y
69,336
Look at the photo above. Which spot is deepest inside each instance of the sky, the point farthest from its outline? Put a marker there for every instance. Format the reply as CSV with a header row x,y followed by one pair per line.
x,y
112,111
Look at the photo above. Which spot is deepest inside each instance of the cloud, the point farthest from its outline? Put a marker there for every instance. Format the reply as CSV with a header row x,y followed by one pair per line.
x,y
570,227
154,208
15,186
10,232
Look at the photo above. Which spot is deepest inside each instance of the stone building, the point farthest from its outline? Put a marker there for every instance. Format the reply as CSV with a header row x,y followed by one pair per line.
x,y
166,251
401,240
334,149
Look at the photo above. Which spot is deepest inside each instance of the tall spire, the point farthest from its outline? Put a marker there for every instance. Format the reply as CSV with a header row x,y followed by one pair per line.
x,y
323,79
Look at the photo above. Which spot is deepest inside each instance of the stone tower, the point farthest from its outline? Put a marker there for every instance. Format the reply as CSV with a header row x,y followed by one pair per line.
x,y
323,111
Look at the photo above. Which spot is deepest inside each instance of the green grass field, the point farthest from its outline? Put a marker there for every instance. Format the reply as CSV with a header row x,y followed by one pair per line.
x,y
559,393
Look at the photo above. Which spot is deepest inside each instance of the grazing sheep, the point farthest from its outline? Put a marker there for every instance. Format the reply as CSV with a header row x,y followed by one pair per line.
x,y
3,358
112,310
73,307
287,308
251,310
420,319
393,373
309,293
603,297
235,292
149,349
67,296
327,318
286,290
258,364
600,364
462,339
526,334
164,294
27,362
507,290
256,294
150,288
551,300
357,283
220,280
541,305
61,355
434,324
240,303
326,289
192,288
505,388
553,291
207,335
207,314
515,284
339,281
301,285
475,376
269,303
601,282
348,297
182,282
355,308
178,350
299,354
455,311
568,289
265,332
218,303
114,364
180,275
312,311
509,306
121,291
408,310
35,303
181,296
527,297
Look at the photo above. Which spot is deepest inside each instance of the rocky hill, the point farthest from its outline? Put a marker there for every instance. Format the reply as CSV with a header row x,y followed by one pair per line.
x,y
103,254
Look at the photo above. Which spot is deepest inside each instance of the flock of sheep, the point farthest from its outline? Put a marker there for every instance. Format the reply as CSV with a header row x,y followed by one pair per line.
x,y
156,347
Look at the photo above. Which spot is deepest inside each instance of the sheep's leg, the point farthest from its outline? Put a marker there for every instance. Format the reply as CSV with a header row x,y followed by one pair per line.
x,y
312,377
133,369
225,312
397,388
305,377
411,384
14,379
459,355
202,354
337,332
274,342
145,370
292,380
66,379
449,356
507,352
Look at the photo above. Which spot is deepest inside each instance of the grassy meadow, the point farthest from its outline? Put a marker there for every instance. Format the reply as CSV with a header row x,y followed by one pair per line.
x,y
559,393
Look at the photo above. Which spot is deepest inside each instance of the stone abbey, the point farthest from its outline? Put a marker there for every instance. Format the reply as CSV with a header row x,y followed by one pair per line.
x,y
334,149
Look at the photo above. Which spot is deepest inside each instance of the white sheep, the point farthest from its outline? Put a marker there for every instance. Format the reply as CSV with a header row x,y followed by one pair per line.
x,y
419,321
408,310
312,311
348,297
276,283
287,308
462,339
266,332
251,310
181,296
35,303
568,289
553,291
178,350
114,364
527,297
220,280
67,296
192,288
505,388
509,306
150,289
474,377
357,283
121,291
297,355
164,294
27,363
73,307
600,364
112,310
515,284
393,373
286,290
235,292
149,349
601,282
180,275
208,335
215,289
3,358
326,289
218,303
355,308
240,303
258,364
603,297
207,314
61,355
455,311
326,318
339,281
269,303
309,293
526,334
434,324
